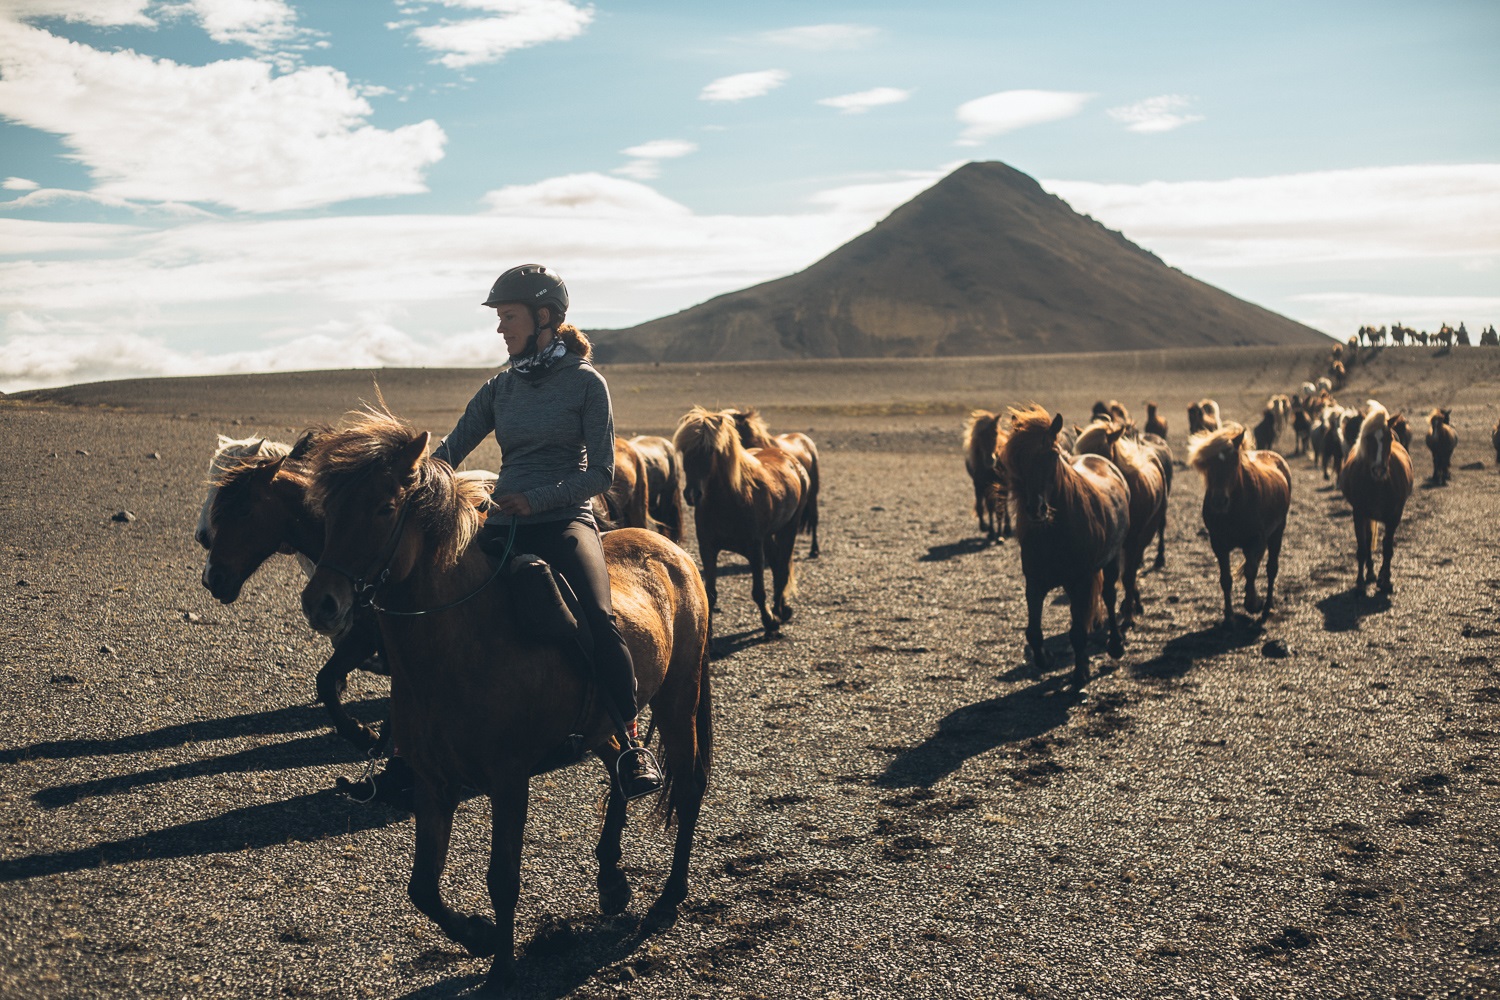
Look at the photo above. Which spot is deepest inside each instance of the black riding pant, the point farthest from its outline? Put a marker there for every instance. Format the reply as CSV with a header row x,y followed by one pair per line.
x,y
573,550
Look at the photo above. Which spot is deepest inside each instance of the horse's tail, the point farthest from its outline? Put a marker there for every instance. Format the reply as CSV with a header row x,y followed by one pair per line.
x,y
669,802
1100,616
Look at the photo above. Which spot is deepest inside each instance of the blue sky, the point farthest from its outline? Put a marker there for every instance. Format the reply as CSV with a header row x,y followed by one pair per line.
x,y
197,186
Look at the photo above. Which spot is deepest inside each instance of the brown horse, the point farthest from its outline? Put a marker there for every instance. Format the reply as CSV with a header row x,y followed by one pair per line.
x,y
479,699
1376,480
1246,498
748,501
627,501
1400,430
1148,472
1155,424
1072,519
663,483
1495,440
754,433
983,438
1441,440
1203,416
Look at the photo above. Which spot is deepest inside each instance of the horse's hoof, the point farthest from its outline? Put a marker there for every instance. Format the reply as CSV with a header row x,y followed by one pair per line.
x,y
785,614
1116,649
502,976
478,935
614,894
661,916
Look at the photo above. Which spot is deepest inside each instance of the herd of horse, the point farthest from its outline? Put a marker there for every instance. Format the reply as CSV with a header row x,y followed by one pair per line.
x,y
1446,336
382,532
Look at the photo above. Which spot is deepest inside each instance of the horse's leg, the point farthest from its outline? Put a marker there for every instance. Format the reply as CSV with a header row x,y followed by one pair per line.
x,y
507,830
686,737
810,522
434,830
709,553
758,588
1387,549
1364,536
981,507
348,654
1273,566
1253,556
1116,643
614,887
1036,598
1131,605
1161,542
1226,582
783,547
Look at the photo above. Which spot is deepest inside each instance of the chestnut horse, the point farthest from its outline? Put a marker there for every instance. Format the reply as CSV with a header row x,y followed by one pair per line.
x,y
1376,480
627,501
663,483
1072,519
983,438
1147,469
1441,440
479,699
1246,498
1155,424
754,433
748,501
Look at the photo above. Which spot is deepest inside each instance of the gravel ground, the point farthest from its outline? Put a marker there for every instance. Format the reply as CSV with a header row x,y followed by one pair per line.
x,y
899,805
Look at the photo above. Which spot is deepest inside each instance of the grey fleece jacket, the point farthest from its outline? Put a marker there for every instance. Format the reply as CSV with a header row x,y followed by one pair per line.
x,y
556,436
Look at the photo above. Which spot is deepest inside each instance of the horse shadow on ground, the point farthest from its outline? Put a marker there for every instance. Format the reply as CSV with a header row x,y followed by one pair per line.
x,y
1181,653
962,547
304,818
277,722
971,730
1343,611
722,647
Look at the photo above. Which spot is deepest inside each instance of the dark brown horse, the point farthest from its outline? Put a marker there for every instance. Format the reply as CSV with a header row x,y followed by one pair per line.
x,y
1155,424
663,483
628,500
754,433
1376,480
748,501
1442,439
1246,498
258,509
479,699
1072,519
984,436
1203,416
1148,473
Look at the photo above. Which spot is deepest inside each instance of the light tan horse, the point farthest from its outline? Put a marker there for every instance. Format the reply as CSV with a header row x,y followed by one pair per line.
x,y
1246,498
480,698
984,437
663,483
747,501
754,433
1376,480
1148,473
1442,439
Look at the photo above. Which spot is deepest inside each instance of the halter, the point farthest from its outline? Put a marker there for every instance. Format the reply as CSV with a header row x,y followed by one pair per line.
x,y
364,590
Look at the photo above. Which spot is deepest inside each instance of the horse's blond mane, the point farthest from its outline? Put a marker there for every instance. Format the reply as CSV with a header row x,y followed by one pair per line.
x,y
1208,446
1031,431
704,433
449,509
236,453
752,427
1376,421
1123,452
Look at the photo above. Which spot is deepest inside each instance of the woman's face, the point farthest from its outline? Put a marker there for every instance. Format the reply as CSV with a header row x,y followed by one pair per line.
x,y
516,326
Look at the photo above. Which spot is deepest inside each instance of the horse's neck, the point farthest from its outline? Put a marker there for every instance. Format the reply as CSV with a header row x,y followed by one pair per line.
x,y
304,528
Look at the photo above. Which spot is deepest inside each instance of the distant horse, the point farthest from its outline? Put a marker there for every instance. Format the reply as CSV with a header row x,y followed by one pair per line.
x,y
1441,440
663,483
983,438
1147,469
748,501
1203,416
1267,430
480,699
1376,480
1246,497
1112,410
1495,440
1072,519
754,433
1328,438
1155,424
1401,430
1301,430
627,501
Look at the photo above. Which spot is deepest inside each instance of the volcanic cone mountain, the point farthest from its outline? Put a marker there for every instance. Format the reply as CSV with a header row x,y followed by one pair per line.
x,y
983,262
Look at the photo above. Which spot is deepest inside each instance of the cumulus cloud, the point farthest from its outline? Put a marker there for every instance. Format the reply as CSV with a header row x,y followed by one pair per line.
x,y
100,13
20,184
504,27
260,24
228,133
823,37
645,159
856,104
1379,213
996,114
742,86
1155,114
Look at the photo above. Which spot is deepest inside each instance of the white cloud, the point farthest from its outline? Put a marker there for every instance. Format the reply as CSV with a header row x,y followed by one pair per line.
x,y
1155,114
823,37
1381,213
260,24
1009,110
100,13
228,133
645,162
741,86
508,26
855,104
20,184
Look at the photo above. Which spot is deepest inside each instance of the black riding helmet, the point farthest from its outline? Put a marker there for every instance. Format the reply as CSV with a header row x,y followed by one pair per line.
x,y
534,286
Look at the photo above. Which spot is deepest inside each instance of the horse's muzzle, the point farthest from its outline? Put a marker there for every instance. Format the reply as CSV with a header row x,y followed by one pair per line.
x,y
324,611
224,585
1218,503
692,494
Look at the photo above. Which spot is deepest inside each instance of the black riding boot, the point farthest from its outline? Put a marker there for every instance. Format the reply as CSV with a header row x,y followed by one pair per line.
x,y
636,770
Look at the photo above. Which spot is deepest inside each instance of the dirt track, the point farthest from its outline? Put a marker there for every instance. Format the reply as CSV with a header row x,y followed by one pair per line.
x,y
899,806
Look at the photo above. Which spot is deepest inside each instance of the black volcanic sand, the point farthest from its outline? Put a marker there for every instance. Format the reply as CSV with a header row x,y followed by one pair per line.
x,y
899,806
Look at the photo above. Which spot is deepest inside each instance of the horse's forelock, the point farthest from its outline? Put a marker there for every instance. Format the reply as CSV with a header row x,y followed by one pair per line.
x,y
1031,433
1207,446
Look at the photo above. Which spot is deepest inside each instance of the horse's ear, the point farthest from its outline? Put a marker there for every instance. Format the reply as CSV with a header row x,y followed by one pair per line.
x,y
409,458
303,446
1239,440
258,446
1115,431
1057,424
273,468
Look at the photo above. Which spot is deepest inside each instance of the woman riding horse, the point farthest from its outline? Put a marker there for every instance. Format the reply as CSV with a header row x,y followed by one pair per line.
x,y
550,413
